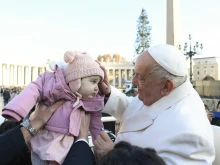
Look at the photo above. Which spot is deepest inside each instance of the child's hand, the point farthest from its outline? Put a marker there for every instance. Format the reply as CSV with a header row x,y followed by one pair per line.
x,y
104,85
84,126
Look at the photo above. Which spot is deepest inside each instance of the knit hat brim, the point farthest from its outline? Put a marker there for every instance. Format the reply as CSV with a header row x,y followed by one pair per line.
x,y
85,73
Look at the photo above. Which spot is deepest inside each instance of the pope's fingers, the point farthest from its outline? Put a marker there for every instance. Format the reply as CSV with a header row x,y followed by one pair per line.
x,y
96,145
105,137
104,70
100,141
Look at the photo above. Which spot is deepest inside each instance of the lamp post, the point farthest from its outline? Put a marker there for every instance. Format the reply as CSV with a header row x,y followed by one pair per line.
x,y
191,52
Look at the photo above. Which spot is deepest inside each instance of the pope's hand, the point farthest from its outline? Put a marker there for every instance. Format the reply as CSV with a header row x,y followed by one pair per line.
x,y
103,144
104,85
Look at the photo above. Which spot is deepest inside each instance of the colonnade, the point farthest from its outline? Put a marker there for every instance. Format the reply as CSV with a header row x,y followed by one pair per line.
x,y
19,74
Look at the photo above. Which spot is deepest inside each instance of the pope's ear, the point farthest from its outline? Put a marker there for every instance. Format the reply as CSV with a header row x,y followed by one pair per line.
x,y
167,88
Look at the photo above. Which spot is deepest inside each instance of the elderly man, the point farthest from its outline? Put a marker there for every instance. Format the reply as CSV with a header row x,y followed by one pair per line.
x,y
167,115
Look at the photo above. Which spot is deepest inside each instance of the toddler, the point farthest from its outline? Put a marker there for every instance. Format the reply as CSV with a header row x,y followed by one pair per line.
x,y
77,84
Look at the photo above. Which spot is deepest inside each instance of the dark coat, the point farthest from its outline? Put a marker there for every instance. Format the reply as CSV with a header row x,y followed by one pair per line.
x,y
6,95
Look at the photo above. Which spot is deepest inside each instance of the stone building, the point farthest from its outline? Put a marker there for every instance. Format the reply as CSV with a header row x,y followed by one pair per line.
x,y
206,66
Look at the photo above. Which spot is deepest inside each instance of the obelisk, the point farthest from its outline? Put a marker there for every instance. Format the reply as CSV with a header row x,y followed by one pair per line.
x,y
173,22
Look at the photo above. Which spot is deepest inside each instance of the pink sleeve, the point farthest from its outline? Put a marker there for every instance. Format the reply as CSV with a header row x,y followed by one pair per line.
x,y
19,107
95,124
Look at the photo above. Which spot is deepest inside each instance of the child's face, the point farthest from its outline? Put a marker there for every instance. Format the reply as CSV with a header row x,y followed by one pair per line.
x,y
89,86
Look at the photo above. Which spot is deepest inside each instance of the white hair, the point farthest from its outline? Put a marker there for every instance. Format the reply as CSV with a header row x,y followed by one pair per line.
x,y
161,73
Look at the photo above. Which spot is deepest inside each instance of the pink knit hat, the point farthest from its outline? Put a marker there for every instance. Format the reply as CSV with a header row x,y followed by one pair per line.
x,y
80,65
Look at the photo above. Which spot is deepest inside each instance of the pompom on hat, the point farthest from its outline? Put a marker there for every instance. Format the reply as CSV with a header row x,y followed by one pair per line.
x,y
170,58
80,65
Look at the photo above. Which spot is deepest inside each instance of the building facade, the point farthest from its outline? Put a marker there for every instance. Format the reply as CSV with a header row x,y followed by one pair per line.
x,y
206,66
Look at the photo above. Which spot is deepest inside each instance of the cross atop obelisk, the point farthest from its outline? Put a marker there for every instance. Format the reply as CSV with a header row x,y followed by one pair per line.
x,y
173,22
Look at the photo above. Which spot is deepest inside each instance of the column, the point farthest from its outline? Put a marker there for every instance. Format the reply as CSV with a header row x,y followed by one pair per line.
x,y
8,75
119,78
107,71
26,70
36,73
15,75
33,72
22,75
29,74
11,76
3,74
40,71
173,22
126,74
132,73
113,70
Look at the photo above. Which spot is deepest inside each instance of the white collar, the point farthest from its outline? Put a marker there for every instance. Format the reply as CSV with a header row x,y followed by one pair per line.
x,y
139,116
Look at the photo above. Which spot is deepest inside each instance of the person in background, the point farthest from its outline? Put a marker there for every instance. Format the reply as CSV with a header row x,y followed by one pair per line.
x,y
210,115
6,96
218,107
1,91
13,94
216,120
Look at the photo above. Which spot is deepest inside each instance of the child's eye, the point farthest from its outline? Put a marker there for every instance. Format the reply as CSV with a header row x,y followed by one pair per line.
x,y
94,81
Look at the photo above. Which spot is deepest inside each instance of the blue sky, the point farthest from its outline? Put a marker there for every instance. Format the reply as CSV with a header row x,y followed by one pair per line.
x,y
40,29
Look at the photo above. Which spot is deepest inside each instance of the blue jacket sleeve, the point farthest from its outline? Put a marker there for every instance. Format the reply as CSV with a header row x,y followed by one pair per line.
x,y
12,145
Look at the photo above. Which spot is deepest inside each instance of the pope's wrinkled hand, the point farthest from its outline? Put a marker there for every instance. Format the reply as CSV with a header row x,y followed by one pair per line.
x,y
103,144
104,85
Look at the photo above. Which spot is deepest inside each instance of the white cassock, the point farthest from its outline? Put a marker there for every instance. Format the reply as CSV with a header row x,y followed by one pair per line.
x,y
176,126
